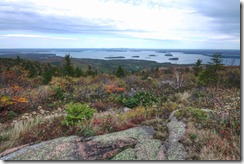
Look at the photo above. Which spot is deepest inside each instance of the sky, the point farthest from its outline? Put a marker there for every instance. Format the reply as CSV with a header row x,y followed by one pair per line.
x,y
165,24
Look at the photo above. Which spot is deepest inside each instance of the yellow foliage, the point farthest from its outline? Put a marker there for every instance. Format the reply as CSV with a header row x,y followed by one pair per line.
x,y
5,101
16,88
21,100
139,111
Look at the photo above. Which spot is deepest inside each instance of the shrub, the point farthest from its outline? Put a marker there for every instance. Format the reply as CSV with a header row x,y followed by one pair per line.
x,y
88,131
193,136
146,98
100,106
3,138
77,113
58,93
131,102
141,98
11,114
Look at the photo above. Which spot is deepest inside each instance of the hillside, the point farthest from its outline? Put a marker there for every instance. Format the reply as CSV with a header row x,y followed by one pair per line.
x,y
87,109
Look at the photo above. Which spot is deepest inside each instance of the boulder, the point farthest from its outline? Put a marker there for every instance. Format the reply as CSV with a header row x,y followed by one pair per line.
x,y
175,150
135,143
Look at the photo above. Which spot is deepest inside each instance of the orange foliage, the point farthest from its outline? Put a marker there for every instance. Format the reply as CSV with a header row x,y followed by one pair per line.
x,y
16,88
112,88
20,100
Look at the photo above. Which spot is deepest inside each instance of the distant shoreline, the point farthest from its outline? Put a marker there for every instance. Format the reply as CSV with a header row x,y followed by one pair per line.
x,y
156,55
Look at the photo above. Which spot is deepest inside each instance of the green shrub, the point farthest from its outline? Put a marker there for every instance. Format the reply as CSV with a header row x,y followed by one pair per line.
x,y
3,138
146,98
131,102
58,93
88,131
140,99
193,136
11,114
78,113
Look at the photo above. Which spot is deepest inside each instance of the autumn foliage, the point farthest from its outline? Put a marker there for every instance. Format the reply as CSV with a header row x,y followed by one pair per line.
x,y
112,88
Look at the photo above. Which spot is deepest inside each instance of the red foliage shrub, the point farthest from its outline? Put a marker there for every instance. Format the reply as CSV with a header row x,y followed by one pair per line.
x,y
123,126
112,88
99,106
47,131
137,120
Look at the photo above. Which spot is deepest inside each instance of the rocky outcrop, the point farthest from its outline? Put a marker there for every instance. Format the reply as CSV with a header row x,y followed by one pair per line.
x,y
175,150
131,144
177,128
135,143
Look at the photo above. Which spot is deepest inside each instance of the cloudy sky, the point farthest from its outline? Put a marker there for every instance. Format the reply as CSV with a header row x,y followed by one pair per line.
x,y
187,24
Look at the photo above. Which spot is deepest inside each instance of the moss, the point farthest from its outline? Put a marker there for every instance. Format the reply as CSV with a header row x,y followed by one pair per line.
x,y
197,115
138,133
161,129
148,149
47,150
193,113
128,154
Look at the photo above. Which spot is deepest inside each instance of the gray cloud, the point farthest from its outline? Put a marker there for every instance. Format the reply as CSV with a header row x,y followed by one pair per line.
x,y
23,17
20,16
225,14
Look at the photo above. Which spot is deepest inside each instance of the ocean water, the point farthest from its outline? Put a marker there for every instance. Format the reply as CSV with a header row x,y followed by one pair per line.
x,y
230,57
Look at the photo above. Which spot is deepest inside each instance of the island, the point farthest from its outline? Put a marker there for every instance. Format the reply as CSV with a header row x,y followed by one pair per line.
x,y
173,58
115,57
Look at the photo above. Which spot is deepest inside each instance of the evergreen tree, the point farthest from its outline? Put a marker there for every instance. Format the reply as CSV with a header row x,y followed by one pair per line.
x,y
90,72
47,76
68,69
197,68
210,75
216,63
18,59
78,72
120,72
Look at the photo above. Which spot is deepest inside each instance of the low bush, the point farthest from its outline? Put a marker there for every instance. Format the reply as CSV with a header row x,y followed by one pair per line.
x,y
140,99
78,113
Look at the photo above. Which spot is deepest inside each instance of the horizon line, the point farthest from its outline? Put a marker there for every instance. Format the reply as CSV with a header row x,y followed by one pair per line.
x,y
134,48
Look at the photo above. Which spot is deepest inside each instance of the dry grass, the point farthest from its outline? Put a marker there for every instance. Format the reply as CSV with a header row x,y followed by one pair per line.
x,y
12,133
207,144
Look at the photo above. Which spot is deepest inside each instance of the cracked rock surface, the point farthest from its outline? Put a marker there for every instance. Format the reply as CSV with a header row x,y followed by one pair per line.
x,y
175,150
135,143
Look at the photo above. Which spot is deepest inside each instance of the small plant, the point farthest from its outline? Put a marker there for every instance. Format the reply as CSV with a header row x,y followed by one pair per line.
x,y
78,113
131,102
140,99
2,138
88,131
193,136
11,114
146,98
58,93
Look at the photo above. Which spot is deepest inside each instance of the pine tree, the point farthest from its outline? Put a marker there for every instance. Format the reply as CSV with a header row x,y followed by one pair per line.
x,y
90,72
197,68
47,76
210,75
78,72
120,72
68,69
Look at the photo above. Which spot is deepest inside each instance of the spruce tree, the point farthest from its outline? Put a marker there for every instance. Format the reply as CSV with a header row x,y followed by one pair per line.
x,y
78,72
210,75
197,68
47,76
68,69
120,72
